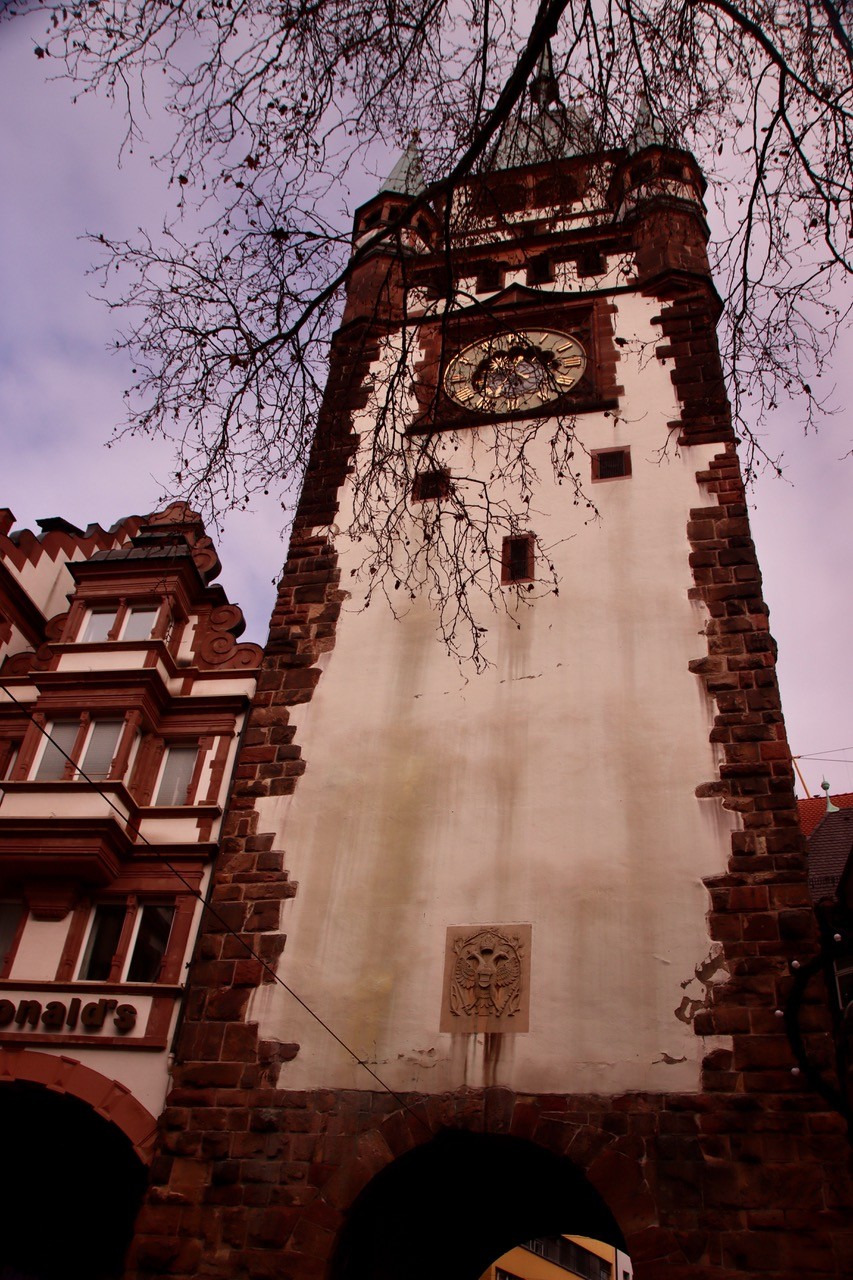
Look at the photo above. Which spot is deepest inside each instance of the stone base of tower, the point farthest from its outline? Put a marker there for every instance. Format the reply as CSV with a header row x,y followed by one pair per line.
x,y
716,1186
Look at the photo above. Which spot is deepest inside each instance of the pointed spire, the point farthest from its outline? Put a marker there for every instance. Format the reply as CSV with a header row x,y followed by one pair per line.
x,y
547,130
406,178
830,807
648,130
543,87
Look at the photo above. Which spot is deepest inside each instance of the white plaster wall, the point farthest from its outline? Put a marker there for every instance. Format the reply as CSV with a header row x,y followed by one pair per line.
x,y
145,1074
555,789
66,800
16,643
106,659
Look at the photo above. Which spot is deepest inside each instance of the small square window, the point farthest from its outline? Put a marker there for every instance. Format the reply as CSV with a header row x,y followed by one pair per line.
x,y
176,775
590,263
431,485
490,277
611,464
518,558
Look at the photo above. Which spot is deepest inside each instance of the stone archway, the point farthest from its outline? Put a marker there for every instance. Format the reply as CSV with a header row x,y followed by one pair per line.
x,y
518,1165
454,1204
109,1099
71,1180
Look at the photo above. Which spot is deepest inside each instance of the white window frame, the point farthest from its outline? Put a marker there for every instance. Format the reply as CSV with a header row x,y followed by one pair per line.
x,y
81,755
112,613
137,908
190,796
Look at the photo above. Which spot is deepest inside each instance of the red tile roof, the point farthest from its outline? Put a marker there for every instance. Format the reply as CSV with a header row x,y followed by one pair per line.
x,y
813,809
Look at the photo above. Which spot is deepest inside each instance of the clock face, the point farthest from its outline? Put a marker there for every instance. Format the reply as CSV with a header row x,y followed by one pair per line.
x,y
516,371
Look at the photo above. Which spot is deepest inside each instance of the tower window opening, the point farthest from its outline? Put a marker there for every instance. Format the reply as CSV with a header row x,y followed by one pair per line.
x,y
590,263
642,172
540,270
429,486
518,559
611,464
490,277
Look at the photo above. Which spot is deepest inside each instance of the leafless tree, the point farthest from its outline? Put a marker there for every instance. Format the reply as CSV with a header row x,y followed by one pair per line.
x,y
277,107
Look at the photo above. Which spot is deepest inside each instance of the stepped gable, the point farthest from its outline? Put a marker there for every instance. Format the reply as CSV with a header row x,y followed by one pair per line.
x,y
59,539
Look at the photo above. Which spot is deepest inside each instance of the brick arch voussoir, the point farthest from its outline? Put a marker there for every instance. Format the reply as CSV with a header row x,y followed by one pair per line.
x,y
110,1099
612,1162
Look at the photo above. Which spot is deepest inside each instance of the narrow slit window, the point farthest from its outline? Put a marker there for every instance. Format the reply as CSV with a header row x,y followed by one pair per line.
x,y
611,464
431,485
517,559
176,775
152,938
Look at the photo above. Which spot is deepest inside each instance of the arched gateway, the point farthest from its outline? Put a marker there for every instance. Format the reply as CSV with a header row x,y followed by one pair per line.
x,y
73,1171
452,1205
553,907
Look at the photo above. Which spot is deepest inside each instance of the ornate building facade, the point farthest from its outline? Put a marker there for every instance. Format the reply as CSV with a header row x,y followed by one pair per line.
x,y
123,692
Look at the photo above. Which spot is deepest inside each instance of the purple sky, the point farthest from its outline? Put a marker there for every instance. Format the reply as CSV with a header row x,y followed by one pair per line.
x,y
60,394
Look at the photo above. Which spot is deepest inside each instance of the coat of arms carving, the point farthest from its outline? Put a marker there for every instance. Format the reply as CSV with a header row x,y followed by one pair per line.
x,y
486,978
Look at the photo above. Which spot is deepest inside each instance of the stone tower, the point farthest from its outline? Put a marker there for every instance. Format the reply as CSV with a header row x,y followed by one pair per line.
x,y
540,917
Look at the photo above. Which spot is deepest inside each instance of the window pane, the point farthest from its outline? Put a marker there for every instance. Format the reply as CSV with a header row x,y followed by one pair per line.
x,y
177,774
139,624
150,946
103,942
11,761
58,746
97,626
10,916
100,748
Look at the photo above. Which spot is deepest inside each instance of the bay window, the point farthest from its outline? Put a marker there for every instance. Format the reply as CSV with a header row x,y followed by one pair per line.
x,y
127,942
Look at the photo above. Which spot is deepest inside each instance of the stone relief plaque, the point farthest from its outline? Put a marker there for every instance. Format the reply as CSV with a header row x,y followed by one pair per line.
x,y
486,978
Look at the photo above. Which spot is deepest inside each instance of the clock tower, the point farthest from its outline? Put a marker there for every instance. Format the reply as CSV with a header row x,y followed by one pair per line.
x,y
513,843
